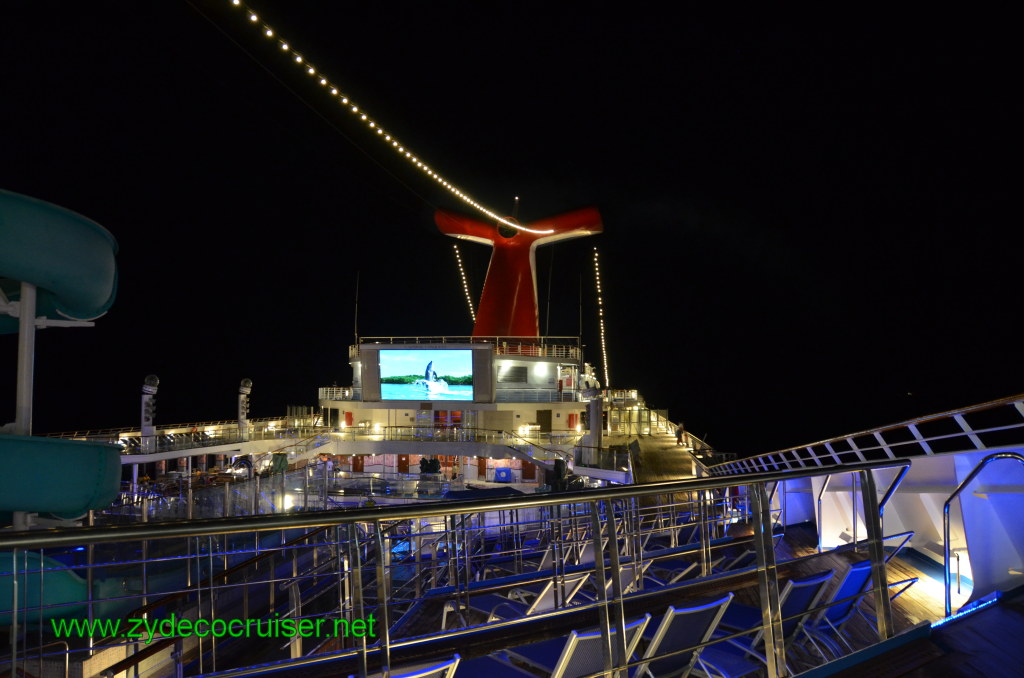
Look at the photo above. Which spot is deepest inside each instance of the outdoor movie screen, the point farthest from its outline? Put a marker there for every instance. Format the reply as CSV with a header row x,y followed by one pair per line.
x,y
426,374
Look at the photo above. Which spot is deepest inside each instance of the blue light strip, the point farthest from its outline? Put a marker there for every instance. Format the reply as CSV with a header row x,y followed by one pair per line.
x,y
993,598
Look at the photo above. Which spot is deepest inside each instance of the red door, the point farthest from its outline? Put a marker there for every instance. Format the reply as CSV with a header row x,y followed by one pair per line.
x,y
403,463
357,463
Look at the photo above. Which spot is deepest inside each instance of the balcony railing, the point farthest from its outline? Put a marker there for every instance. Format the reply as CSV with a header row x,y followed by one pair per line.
x,y
565,348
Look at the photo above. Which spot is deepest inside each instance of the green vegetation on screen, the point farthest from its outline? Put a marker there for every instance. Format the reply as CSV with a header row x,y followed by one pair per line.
x,y
413,378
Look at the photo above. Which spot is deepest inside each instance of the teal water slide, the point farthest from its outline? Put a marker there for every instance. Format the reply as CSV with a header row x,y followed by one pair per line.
x,y
56,268
67,257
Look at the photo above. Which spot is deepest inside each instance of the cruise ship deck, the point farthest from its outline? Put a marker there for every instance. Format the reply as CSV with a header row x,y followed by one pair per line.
x,y
485,504
495,579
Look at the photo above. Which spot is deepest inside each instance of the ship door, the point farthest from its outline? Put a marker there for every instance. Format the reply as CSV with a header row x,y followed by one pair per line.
x,y
529,470
357,463
544,421
481,468
403,463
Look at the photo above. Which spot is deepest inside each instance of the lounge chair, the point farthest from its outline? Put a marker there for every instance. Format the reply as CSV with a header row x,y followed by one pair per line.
x,y
496,606
580,654
826,627
680,628
445,669
798,597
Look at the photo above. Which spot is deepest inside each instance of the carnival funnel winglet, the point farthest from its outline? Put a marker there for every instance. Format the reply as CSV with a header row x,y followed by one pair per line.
x,y
508,304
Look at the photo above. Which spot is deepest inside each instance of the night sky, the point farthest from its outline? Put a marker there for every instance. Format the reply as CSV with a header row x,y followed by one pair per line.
x,y
809,227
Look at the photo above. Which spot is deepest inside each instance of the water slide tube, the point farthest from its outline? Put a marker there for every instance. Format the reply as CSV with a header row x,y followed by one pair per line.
x,y
69,258
61,477
70,261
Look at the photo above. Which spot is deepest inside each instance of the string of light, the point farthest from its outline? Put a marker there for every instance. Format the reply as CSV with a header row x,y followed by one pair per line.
x,y
385,137
600,318
465,282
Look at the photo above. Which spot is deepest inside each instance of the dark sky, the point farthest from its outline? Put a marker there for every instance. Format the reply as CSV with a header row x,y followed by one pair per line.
x,y
809,227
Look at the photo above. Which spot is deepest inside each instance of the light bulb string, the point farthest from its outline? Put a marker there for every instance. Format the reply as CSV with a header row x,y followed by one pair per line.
x,y
299,59
465,283
600,318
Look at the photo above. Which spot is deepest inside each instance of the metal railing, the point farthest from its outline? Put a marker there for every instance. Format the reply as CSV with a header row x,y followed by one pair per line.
x,y
566,348
501,395
173,442
403,566
945,516
338,393
314,487
113,434
991,426
537,440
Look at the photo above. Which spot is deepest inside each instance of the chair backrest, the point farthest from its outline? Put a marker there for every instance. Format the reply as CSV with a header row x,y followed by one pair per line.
x,y
546,599
853,584
586,556
546,559
659,533
682,628
445,669
582,655
630,575
799,596
688,534
745,559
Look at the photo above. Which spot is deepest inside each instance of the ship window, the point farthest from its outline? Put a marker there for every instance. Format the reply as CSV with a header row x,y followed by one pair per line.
x,y
512,375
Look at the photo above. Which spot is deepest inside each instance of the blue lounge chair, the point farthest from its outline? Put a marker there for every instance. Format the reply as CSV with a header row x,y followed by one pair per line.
x,y
680,628
734,658
580,654
630,576
445,669
496,606
826,627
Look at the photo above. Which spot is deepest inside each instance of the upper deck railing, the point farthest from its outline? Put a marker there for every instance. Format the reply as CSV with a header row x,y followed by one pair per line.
x,y
989,427
565,348
112,434
198,435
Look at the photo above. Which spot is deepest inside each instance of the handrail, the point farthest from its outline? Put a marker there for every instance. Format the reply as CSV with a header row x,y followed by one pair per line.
x,y
467,340
454,579
893,486
67,650
945,516
824,487
164,428
889,492
919,420
822,453
158,645
211,526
